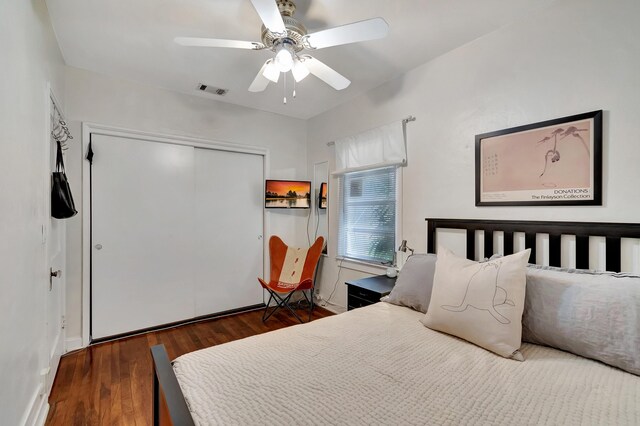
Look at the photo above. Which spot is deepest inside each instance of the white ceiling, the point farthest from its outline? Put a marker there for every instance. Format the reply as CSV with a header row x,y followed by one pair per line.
x,y
133,39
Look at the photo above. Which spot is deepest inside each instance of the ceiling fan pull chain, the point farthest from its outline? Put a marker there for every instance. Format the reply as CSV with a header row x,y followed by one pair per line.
x,y
294,88
285,88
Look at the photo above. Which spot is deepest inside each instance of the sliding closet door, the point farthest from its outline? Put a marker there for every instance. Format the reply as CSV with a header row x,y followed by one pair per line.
x,y
229,227
142,234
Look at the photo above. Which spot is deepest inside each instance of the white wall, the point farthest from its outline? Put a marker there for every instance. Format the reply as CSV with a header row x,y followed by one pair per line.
x,y
575,56
30,58
95,98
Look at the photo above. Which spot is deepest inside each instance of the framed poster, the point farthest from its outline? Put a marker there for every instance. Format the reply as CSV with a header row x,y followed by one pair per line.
x,y
555,162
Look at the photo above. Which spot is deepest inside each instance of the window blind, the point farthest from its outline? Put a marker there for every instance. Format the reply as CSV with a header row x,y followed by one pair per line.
x,y
368,215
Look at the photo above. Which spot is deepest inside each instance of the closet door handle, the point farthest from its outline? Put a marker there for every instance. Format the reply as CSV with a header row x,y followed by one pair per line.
x,y
52,274
98,246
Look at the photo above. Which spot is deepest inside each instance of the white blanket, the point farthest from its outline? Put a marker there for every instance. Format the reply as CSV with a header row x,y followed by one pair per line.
x,y
379,365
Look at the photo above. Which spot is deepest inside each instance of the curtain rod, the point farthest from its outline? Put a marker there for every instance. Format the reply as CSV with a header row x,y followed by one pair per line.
x,y
404,121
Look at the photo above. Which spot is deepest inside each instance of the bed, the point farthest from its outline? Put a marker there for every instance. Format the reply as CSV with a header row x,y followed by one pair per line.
x,y
380,365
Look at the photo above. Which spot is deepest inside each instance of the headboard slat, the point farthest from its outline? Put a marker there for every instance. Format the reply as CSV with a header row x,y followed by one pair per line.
x,y
508,243
582,251
555,250
471,243
530,242
431,237
488,243
613,253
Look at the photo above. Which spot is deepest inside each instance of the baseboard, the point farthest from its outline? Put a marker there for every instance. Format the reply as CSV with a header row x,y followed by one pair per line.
x,y
178,323
336,309
331,307
36,413
42,418
73,344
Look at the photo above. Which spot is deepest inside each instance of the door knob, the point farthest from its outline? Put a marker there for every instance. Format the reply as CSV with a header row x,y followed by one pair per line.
x,y
98,246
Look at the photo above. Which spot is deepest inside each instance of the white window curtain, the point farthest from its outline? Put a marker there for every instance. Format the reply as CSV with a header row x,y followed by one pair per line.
x,y
376,148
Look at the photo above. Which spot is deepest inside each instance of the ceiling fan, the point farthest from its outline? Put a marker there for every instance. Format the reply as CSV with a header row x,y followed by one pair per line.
x,y
288,39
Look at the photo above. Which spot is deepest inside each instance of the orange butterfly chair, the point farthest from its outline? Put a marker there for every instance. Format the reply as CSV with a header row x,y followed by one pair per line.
x,y
292,269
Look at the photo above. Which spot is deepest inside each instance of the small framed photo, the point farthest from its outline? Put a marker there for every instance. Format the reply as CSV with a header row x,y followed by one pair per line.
x,y
323,196
287,194
555,162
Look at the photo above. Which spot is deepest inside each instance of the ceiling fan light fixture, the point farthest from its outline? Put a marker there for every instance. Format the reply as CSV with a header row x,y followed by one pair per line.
x,y
288,39
299,71
284,56
271,72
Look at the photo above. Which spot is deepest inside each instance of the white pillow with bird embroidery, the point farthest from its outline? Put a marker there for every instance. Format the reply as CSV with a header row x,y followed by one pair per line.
x,y
480,302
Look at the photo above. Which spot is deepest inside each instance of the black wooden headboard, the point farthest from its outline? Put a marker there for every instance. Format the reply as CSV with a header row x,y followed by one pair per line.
x,y
613,232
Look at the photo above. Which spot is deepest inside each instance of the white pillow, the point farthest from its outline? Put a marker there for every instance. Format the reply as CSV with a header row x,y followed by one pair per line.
x,y
480,302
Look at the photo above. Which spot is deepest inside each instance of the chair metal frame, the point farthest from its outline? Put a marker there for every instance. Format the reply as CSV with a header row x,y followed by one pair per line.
x,y
284,302
282,296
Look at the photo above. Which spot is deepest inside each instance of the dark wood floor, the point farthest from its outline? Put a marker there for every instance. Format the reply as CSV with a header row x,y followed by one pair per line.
x,y
111,383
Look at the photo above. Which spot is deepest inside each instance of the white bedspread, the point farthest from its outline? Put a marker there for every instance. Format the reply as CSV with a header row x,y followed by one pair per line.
x,y
379,365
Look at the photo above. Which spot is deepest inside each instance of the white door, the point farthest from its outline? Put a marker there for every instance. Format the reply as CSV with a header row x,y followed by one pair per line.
x,y
229,223
142,234
56,259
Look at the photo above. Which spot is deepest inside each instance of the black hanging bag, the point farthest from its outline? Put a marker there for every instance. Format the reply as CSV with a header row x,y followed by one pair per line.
x,y
62,206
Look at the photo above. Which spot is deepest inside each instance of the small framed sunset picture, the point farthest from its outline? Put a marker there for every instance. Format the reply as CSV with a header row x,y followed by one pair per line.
x,y
287,194
323,195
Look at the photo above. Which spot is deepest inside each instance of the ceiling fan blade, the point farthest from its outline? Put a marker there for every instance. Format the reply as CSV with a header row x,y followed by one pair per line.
x,y
215,42
325,73
370,29
271,72
270,15
260,82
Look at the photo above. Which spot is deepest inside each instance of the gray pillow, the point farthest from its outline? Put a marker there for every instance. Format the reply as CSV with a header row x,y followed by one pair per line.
x,y
414,283
592,314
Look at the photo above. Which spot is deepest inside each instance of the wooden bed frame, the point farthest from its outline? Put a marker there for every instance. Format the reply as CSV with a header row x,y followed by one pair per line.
x,y
612,232
170,407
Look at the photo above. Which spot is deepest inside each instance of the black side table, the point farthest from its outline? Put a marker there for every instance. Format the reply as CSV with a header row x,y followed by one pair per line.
x,y
368,291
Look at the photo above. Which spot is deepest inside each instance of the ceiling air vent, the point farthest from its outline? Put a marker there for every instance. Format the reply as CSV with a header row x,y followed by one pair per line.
x,y
213,90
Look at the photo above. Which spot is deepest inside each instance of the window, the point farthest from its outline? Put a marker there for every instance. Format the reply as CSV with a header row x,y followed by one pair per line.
x,y
367,220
